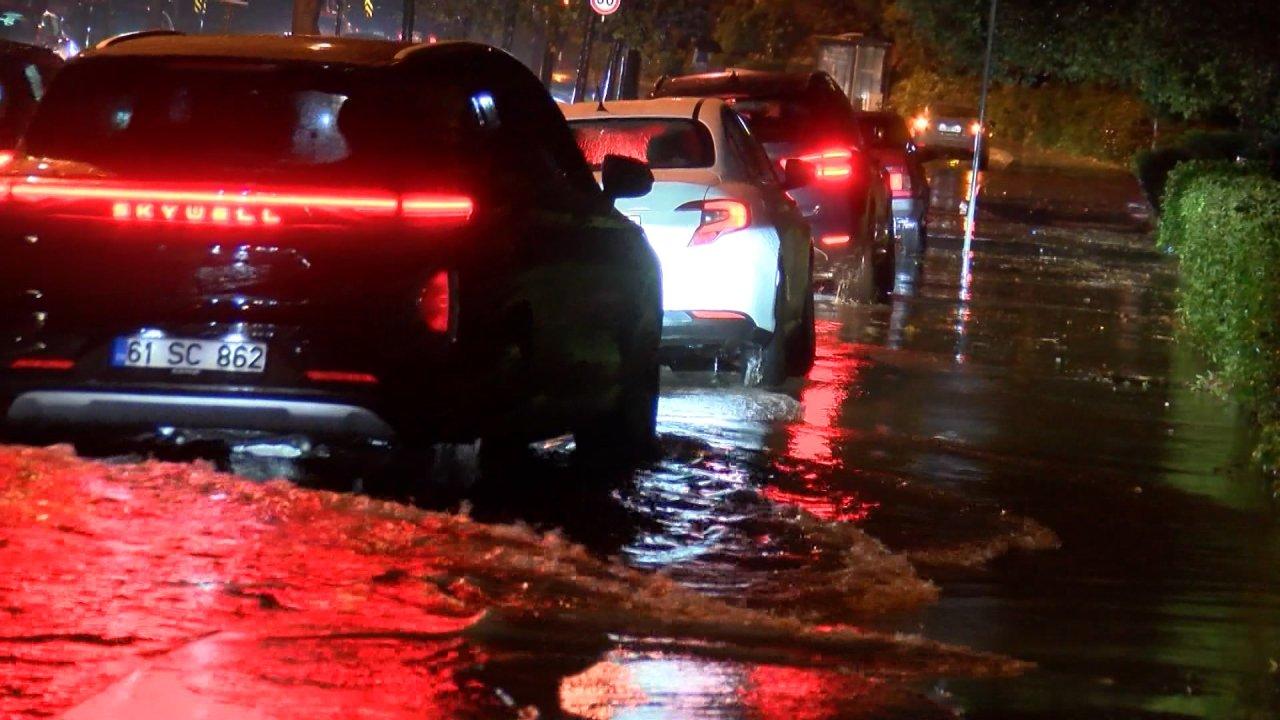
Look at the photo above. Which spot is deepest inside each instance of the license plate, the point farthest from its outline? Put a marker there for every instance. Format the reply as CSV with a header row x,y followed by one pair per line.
x,y
949,129
189,354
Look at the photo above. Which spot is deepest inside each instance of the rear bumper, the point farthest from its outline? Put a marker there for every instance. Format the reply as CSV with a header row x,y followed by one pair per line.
x,y
736,273
939,141
685,337
54,409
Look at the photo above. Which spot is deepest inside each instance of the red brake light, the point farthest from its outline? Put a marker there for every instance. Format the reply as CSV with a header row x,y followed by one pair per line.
x,y
831,165
430,207
341,376
435,302
138,202
899,181
830,240
6,157
42,363
719,217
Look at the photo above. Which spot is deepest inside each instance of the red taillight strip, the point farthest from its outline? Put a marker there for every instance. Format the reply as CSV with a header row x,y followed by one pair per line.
x,y
42,363
50,189
717,315
418,206
341,376
432,207
831,164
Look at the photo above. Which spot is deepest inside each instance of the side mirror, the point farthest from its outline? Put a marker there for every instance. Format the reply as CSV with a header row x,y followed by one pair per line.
x,y
624,177
797,174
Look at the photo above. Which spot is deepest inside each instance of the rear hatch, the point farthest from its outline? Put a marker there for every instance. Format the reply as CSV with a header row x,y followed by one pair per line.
x,y
793,127
202,199
681,153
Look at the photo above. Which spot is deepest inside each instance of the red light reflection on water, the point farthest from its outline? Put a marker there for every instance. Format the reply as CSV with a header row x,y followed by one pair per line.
x,y
815,440
816,436
628,685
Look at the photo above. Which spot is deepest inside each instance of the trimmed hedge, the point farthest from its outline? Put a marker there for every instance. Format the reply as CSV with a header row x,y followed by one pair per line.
x,y
1152,167
1223,222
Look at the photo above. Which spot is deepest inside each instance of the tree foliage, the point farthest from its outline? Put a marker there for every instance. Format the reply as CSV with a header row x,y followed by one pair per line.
x,y
1187,57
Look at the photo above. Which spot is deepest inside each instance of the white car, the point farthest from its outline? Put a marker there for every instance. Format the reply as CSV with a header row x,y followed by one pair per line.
x,y
735,251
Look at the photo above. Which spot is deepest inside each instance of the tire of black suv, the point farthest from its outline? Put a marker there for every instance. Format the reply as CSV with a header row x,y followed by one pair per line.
x,y
885,268
627,431
855,277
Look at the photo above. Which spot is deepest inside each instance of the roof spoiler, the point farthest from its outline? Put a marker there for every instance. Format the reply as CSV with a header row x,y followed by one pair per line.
x,y
126,37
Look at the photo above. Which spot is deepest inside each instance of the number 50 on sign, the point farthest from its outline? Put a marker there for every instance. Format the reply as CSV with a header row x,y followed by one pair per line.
x,y
606,7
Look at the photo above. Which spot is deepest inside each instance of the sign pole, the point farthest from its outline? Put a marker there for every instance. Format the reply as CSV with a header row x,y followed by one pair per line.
x,y
584,59
979,140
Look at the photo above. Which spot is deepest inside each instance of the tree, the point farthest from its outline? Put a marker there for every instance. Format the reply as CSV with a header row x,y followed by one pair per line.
x,y
1190,58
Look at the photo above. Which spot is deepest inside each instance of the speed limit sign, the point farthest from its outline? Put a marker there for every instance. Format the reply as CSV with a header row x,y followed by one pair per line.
x,y
606,7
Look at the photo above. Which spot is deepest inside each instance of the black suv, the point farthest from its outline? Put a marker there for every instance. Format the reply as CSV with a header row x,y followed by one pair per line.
x,y
806,116
343,238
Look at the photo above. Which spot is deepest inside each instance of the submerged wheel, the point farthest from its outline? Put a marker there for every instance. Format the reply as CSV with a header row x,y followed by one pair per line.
x,y
853,278
885,267
804,341
627,430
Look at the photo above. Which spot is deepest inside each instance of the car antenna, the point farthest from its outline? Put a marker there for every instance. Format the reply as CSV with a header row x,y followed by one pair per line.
x,y
600,106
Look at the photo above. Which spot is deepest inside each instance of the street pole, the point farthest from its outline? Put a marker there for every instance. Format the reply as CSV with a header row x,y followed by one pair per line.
x,y
979,139
584,58
406,21
306,17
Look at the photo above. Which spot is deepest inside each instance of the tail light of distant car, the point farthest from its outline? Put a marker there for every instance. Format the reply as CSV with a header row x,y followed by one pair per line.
x,y
919,124
6,157
834,240
148,203
719,217
899,181
975,128
831,165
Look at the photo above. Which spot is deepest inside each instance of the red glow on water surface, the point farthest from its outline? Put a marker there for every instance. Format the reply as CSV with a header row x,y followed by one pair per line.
x,y
815,438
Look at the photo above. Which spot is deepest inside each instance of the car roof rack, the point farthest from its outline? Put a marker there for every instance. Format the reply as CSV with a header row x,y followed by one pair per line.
x,y
126,37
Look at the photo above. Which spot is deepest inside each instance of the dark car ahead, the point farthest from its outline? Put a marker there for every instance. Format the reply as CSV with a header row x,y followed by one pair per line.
x,y
806,116
885,137
949,131
25,71
347,239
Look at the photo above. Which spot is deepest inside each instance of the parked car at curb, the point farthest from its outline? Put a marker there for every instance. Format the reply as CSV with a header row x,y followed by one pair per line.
x,y
348,239
805,116
735,251
948,131
885,137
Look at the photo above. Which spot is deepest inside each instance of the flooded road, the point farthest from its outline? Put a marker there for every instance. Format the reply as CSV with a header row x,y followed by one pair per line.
x,y
1003,504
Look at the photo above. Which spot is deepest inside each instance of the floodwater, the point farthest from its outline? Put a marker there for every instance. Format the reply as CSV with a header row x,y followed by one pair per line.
x,y
1002,502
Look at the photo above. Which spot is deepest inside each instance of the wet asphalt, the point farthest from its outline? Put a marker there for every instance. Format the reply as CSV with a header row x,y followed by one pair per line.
x,y
1019,470
1034,446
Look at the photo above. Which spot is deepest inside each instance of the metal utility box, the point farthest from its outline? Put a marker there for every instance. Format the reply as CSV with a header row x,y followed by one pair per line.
x,y
859,65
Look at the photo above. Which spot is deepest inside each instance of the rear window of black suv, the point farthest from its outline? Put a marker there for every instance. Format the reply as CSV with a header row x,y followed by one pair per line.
x,y
252,120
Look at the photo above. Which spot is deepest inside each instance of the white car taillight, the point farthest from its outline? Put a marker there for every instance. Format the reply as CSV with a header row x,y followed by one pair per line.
x,y
719,217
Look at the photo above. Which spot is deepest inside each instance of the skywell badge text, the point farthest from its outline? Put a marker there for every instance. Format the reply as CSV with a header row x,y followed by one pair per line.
x,y
193,214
